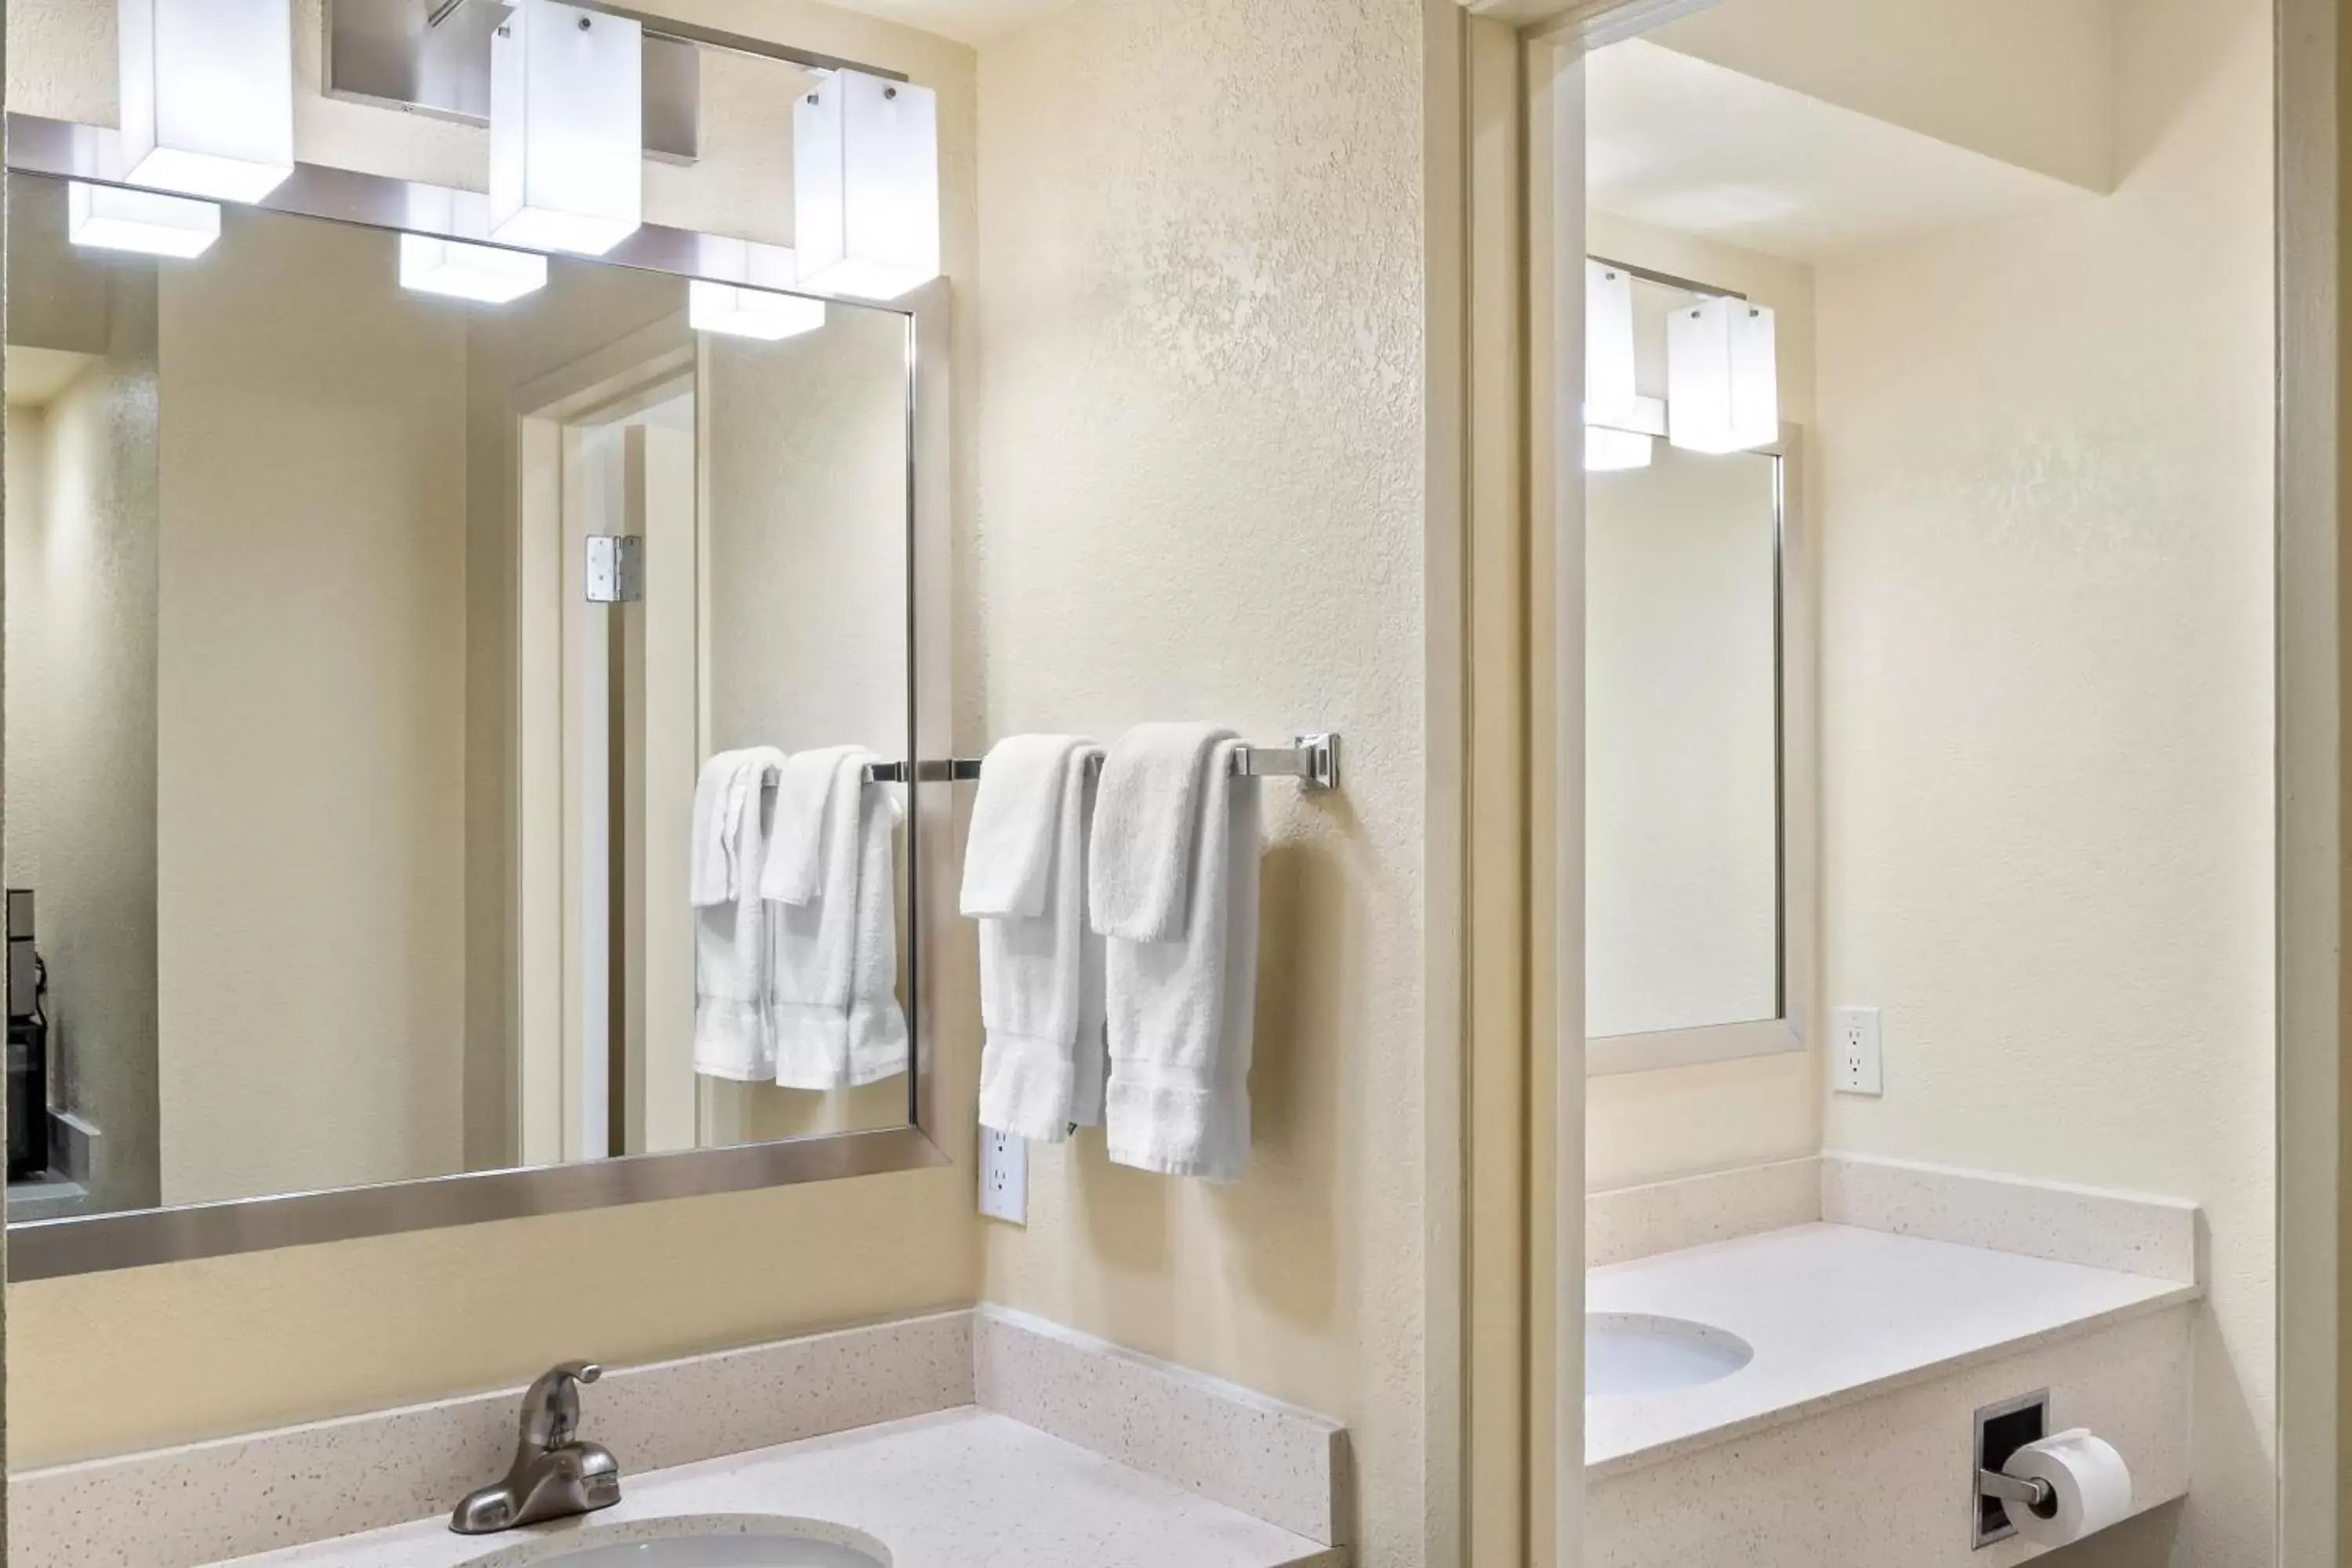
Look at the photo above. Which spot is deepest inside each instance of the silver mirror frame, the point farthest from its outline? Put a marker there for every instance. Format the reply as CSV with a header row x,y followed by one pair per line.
x,y
1799,804
44,1249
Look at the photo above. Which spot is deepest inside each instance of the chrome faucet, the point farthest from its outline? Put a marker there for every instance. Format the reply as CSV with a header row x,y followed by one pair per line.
x,y
554,1474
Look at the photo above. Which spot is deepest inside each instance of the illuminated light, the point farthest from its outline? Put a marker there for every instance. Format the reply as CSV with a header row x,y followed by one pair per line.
x,y
109,217
865,186
207,95
1608,450
483,273
567,155
1608,389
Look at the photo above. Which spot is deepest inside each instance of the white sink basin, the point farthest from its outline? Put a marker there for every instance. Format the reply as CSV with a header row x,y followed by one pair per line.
x,y
717,1540
1628,1352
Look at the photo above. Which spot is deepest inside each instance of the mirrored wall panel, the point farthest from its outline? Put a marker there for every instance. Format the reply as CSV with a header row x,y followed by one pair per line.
x,y
368,651
1683,816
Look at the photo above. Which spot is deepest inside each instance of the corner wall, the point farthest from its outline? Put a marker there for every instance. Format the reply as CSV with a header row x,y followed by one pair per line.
x,y
1202,494
2047,697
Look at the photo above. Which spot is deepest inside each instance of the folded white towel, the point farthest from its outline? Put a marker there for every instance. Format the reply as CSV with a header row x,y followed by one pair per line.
x,y
833,1006
1180,1012
1041,965
1148,807
730,935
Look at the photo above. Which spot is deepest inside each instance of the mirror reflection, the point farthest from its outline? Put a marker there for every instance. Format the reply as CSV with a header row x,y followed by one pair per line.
x,y
351,757
1683,726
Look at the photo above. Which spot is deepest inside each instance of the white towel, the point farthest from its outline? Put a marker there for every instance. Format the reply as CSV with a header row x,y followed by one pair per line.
x,y
832,915
731,936
1180,1011
1041,965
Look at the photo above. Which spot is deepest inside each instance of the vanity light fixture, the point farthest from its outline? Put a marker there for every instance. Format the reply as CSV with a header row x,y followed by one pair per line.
x,y
1722,384
109,217
483,273
1609,386
207,95
865,185
567,111
751,308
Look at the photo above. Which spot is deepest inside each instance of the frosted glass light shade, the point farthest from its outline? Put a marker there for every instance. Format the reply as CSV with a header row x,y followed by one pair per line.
x,y
1722,377
207,95
567,129
108,218
1608,389
478,272
865,186
1607,450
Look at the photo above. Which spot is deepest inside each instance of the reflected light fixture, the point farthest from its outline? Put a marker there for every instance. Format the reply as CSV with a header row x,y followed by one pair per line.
x,y
1722,384
207,95
751,308
1609,388
1609,450
567,128
109,217
865,186
485,273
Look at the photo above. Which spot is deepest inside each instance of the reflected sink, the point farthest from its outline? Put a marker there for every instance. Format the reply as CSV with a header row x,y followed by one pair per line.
x,y
719,1541
1629,1352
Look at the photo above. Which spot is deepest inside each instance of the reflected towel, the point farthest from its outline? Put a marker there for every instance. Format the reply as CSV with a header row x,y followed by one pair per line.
x,y
832,913
732,1038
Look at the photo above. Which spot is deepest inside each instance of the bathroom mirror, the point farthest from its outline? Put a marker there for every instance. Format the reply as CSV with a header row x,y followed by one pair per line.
x,y
1697,780
363,648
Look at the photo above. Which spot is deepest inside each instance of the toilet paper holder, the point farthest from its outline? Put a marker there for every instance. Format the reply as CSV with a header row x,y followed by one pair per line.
x,y
2034,1494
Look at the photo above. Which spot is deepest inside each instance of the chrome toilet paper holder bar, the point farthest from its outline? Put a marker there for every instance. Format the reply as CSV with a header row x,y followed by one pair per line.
x,y
2034,1494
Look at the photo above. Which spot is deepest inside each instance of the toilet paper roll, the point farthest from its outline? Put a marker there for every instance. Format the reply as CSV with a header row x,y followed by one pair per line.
x,y
2090,1487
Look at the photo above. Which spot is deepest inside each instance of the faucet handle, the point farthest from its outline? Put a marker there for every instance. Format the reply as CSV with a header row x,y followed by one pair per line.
x,y
550,1407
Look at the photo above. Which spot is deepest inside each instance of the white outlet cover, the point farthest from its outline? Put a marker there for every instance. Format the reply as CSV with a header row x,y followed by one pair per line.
x,y
1003,1176
1854,1062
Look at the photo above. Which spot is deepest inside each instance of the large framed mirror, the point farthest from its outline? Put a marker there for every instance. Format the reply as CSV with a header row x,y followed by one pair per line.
x,y
1699,802
366,649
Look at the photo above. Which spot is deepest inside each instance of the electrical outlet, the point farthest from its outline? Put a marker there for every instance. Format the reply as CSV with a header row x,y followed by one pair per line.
x,y
1003,1176
1854,1052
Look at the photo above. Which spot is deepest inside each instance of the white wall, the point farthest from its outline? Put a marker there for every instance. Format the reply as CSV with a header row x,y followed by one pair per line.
x,y
81,728
1201,496
311,754
2047,689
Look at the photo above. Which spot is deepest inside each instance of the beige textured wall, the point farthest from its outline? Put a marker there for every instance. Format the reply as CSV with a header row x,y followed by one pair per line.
x,y
2047,696
309,754
112,1361
1200,495
1648,1126
81,694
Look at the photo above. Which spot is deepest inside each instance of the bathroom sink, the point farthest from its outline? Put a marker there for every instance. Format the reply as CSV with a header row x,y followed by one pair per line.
x,y
718,1541
1628,1352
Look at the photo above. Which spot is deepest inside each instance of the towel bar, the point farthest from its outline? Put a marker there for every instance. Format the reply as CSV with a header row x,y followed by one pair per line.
x,y
1314,761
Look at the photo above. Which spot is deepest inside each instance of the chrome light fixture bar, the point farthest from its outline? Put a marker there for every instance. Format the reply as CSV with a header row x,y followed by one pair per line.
x,y
207,95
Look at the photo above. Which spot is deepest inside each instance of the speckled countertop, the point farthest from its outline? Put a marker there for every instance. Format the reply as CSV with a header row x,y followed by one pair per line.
x,y
961,1488
1836,1313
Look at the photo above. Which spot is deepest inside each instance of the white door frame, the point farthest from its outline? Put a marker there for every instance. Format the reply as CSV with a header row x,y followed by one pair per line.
x,y
555,416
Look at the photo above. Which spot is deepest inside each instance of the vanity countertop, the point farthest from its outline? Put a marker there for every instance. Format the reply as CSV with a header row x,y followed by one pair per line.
x,y
1836,1313
951,1489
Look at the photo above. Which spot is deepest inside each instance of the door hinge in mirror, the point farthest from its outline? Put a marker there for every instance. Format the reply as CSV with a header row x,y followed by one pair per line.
x,y
616,569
